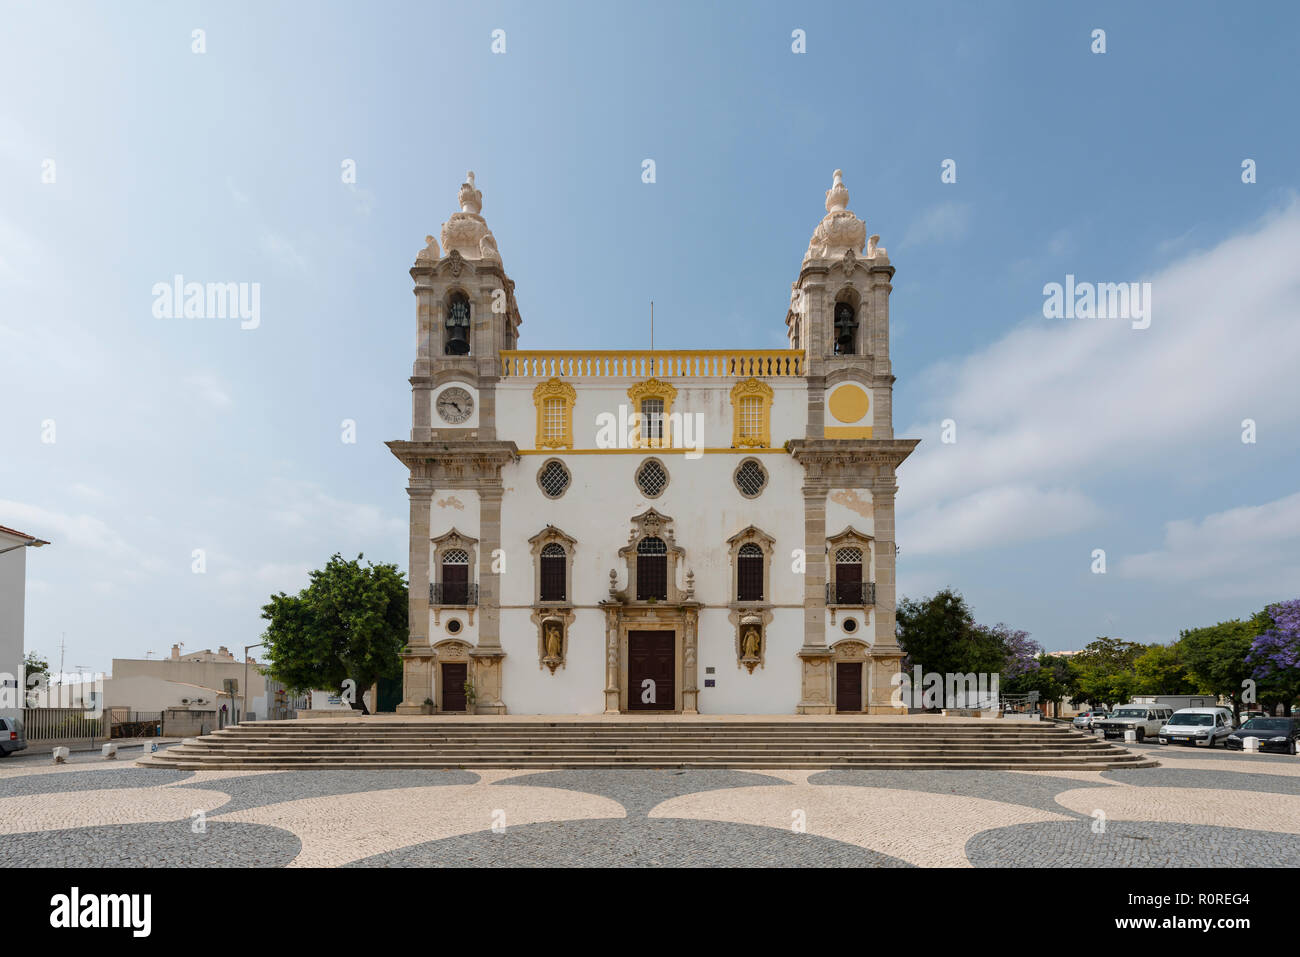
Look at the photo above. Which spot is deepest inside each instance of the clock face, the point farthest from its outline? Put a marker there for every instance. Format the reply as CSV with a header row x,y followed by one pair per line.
x,y
455,405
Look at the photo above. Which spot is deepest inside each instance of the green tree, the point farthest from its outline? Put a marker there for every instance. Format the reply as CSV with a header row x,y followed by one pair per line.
x,y
1105,672
939,634
34,664
1160,669
1216,656
1045,679
350,622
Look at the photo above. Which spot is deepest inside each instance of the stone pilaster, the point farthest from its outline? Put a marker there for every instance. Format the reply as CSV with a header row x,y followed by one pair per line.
x,y
415,673
611,662
886,655
487,656
815,691
690,664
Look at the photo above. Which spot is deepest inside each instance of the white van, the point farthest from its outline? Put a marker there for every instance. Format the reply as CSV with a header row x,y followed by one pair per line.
x,y
1196,726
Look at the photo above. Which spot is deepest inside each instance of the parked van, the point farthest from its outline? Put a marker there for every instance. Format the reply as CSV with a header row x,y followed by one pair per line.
x,y
1197,726
1145,719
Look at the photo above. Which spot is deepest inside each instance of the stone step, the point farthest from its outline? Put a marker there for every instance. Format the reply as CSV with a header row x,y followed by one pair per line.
x,y
592,744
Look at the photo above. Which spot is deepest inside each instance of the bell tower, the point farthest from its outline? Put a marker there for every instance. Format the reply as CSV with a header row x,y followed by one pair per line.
x,y
466,311
839,314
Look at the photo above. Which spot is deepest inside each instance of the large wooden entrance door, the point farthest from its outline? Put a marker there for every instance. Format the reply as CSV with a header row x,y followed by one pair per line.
x,y
454,675
848,686
651,670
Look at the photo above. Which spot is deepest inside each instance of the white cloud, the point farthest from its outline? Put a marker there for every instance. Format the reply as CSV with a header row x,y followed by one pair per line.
x,y
1064,403
1249,550
1003,515
944,223
282,250
211,390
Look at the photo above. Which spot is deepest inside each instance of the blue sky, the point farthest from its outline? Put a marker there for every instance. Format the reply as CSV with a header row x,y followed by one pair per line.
x,y
1073,435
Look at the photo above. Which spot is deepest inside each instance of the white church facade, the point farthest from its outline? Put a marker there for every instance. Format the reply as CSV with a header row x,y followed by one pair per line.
x,y
651,531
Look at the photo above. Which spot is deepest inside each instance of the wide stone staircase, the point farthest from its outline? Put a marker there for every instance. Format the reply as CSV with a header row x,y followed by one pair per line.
x,y
502,743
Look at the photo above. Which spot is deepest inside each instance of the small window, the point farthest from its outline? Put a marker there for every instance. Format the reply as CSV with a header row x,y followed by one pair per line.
x,y
751,417
453,626
652,418
553,478
652,477
554,567
750,478
553,418
749,573
651,569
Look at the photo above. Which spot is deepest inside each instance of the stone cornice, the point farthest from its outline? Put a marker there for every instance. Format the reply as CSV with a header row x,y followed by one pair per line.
x,y
860,459
455,463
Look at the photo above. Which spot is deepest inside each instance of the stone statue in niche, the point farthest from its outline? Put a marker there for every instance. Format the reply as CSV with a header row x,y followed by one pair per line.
x,y
751,644
552,643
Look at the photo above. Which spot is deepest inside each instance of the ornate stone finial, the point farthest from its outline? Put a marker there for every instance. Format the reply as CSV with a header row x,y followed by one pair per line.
x,y
470,198
840,230
837,197
613,583
690,584
465,231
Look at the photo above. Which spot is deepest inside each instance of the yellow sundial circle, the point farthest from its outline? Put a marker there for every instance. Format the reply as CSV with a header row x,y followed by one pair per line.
x,y
849,403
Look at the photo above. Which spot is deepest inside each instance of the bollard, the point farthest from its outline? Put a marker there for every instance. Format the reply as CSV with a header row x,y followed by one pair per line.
x,y
61,755
1130,736
1251,745
153,747
110,752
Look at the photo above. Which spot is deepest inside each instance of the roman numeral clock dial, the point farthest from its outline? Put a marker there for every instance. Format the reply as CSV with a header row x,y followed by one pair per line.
x,y
455,406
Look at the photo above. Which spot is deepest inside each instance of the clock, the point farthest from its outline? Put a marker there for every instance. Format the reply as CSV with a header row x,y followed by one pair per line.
x,y
455,405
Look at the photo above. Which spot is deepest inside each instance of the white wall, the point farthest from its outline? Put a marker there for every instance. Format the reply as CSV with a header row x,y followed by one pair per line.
x,y
13,577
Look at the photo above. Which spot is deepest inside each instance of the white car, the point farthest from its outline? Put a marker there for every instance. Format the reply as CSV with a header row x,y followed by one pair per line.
x,y
1197,726
1144,719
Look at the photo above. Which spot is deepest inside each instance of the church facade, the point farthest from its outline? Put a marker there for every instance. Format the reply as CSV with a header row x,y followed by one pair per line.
x,y
702,531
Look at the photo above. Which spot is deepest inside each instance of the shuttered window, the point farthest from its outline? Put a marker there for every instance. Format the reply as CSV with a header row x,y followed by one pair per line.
x,y
749,573
651,569
554,568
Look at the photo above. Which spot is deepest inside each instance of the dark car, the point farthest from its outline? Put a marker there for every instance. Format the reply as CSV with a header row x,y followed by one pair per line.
x,y
1274,734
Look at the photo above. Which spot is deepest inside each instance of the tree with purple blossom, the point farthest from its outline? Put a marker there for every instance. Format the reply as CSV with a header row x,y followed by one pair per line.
x,y
1274,655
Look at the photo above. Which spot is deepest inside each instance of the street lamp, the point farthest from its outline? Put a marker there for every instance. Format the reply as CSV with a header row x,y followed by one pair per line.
x,y
34,543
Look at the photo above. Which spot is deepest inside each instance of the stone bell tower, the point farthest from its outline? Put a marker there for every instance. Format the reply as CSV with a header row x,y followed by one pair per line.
x,y
839,316
466,311
466,317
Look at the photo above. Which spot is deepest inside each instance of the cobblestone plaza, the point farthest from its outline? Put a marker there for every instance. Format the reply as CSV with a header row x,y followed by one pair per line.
x,y
1197,809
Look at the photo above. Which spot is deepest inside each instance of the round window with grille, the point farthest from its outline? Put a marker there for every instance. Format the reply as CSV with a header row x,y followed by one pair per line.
x,y
750,478
554,478
652,478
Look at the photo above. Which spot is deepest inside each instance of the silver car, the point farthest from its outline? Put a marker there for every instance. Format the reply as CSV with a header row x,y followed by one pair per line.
x,y
12,737
1085,719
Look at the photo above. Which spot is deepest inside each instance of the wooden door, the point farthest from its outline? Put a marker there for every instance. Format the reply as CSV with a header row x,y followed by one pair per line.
x,y
651,670
848,583
848,686
454,675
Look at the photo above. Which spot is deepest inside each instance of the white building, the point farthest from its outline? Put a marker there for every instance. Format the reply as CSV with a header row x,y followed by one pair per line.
x,y
674,531
13,592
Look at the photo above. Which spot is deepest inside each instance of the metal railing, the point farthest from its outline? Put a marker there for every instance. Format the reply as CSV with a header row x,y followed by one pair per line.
x,y
850,593
453,593
60,724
